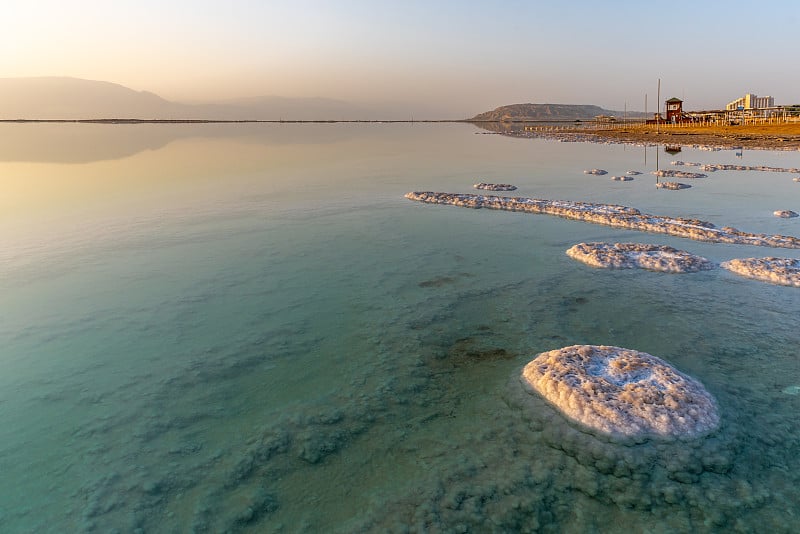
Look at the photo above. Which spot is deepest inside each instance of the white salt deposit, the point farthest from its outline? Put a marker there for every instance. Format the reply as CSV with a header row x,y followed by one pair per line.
x,y
622,392
673,186
622,178
785,214
728,167
678,174
495,187
610,215
638,256
596,172
633,173
782,271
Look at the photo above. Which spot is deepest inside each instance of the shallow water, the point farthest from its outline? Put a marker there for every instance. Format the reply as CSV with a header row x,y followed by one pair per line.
x,y
248,328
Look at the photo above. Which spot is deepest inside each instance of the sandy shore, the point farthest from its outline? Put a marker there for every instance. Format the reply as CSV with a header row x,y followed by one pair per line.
x,y
764,137
769,137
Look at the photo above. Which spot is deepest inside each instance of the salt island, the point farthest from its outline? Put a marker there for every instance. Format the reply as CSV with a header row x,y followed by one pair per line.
x,y
495,187
781,271
622,392
660,258
610,215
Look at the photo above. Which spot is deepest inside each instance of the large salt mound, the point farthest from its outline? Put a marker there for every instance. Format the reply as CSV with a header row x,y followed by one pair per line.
x,y
638,256
622,392
782,271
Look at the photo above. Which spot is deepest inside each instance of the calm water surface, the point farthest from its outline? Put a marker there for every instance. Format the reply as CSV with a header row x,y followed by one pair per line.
x,y
210,328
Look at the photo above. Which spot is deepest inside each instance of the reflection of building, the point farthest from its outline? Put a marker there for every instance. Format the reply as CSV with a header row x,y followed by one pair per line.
x,y
751,101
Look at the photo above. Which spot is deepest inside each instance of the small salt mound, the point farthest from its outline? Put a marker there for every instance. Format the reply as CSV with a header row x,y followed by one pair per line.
x,y
597,172
622,392
674,186
782,271
796,179
638,256
495,187
785,214
679,174
622,178
633,173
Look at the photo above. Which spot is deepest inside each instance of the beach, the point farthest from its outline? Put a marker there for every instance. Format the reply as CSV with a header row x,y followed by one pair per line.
x,y
767,137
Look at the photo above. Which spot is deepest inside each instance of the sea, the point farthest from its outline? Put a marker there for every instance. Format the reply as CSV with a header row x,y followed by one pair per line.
x,y
248,328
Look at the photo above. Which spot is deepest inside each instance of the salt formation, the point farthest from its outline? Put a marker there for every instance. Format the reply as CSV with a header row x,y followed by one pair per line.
x,y
674,186
785,214
637,255
727,167
796,179
622,392
596,172
633,173
678,174
782,271
495,187
622,178
610,215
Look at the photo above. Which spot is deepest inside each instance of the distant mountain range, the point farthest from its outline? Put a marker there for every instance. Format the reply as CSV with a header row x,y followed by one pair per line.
x,y
60,98
552,112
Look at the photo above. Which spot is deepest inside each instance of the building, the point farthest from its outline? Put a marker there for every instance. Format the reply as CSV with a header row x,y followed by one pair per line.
x,y
674,109
751,101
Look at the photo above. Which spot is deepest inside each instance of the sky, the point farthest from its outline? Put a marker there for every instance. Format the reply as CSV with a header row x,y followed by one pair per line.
x,y
458,58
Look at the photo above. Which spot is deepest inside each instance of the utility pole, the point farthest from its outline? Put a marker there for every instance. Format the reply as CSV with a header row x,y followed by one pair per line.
x,y
658,108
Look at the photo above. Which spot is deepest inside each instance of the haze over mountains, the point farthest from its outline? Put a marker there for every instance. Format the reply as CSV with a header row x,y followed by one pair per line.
x,y
61,98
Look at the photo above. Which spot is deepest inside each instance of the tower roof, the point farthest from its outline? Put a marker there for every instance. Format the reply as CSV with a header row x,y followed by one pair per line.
x,y
674,100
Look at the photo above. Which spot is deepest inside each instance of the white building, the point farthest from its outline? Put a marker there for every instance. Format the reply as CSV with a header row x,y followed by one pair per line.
x,y
751,101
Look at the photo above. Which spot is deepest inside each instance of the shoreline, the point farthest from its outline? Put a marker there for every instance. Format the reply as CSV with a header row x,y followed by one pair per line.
x,y
781,137
753,137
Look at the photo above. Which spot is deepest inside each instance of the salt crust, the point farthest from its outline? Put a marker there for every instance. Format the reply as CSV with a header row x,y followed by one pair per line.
x,y
610,215
622,392
638,256
495,187
727,167
785,214
782,271
674,186
679,174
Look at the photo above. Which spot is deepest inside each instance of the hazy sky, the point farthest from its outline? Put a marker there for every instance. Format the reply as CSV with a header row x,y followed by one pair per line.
x,y
460,57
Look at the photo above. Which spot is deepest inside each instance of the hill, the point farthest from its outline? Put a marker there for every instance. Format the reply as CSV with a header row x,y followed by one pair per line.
x,y
549,112
61,98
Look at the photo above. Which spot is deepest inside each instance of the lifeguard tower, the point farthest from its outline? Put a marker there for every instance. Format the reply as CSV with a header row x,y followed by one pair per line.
x,y
674,110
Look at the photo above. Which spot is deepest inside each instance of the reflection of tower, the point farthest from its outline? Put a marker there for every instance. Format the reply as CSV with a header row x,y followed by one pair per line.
x,y
674,109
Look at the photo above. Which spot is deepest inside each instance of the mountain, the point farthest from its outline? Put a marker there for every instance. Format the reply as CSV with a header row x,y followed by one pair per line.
x,y
549,112
60,98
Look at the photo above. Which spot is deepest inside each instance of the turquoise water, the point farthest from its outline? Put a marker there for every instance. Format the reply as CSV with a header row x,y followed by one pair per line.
x,y
247,328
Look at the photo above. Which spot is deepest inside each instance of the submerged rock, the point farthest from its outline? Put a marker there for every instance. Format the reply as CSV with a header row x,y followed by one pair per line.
x,y
622,392
638,256
782,271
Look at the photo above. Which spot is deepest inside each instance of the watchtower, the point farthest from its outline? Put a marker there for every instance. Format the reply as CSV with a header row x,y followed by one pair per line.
x,y
674,109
